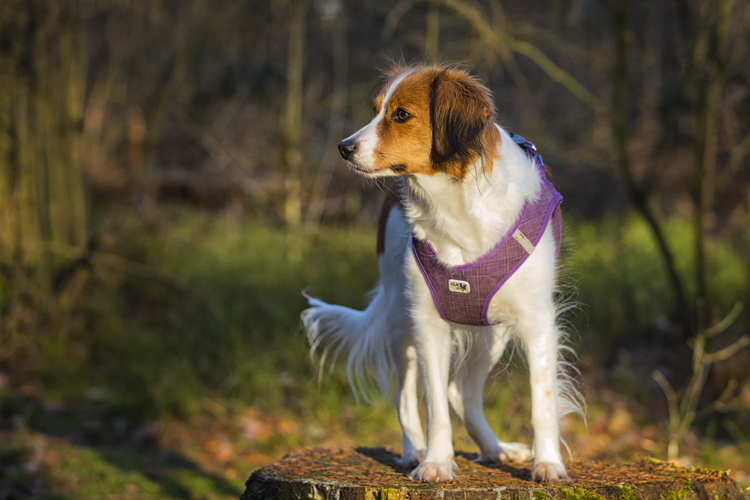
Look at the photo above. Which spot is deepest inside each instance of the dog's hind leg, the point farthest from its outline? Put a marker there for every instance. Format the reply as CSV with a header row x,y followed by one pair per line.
x,y
404,356
466,397
394,241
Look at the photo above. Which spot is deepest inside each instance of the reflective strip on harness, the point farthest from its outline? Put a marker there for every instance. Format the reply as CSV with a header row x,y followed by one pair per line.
x,y
524,241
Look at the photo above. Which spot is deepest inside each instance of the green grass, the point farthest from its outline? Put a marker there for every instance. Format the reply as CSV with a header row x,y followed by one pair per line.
x,y
219,316
622,283
123,471
209,328
228,329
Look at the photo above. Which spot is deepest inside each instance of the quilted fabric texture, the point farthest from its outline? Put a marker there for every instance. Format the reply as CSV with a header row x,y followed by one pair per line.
x,y
462,294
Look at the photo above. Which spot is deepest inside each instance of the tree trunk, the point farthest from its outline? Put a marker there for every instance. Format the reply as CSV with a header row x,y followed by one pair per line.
x,y
331,158
367,473
432,37
42,195
292,125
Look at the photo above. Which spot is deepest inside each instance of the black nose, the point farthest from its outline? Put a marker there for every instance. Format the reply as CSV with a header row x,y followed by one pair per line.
x,y
347,147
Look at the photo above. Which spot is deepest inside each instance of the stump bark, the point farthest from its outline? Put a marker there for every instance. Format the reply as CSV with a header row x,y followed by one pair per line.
x,y
374,474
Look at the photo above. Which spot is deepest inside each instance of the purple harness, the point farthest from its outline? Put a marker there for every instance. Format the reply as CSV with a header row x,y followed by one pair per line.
x,y
462,294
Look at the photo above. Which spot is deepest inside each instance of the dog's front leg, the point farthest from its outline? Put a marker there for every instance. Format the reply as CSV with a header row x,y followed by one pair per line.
x,y
405,358
433,342
540,339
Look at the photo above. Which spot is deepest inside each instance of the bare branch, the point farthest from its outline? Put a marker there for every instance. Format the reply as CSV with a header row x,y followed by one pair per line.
x,y
668,391
395,15
729,351
725,323
721,402
121,264
674,415
502,40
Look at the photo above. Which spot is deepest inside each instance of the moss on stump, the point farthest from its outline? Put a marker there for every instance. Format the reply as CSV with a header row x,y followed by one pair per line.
x,y
373,474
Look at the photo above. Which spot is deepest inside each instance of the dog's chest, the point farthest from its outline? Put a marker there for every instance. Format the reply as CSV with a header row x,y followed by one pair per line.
x,y
462,294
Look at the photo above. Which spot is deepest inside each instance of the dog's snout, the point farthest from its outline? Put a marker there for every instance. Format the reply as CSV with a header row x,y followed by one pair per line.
x,y
346,148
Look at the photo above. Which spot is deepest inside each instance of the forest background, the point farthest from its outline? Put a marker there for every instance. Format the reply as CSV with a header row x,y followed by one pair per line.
x,y
169,183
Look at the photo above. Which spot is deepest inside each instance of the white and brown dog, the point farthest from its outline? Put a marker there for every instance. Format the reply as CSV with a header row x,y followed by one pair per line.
x,y
466,188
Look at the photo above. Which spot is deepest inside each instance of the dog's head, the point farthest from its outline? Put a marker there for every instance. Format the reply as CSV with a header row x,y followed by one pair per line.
x,y
427,120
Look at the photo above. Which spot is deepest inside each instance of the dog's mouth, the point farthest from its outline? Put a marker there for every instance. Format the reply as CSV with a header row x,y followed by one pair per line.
x,y
369,173
353,166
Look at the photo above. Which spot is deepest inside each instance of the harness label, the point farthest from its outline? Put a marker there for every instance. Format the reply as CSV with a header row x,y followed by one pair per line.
x,y
459,286
524,241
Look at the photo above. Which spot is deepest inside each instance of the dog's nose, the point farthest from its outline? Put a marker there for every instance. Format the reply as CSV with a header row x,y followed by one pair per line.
x,y
347,147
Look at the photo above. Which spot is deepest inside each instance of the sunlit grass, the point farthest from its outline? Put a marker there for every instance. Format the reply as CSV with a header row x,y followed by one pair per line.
x,y
622,283
225,321
212,340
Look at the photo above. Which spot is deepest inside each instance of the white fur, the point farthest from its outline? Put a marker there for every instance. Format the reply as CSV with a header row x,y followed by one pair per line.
x,y
401,331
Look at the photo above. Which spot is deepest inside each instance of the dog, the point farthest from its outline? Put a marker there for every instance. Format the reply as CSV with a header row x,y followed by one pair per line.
x,y
466,187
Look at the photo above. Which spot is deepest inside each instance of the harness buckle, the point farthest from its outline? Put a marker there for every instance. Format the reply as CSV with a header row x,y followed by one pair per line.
x,y
520,140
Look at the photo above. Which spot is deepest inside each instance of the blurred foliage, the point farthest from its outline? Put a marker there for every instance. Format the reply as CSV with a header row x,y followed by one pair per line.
x,y
227,329
621,282
220,318
156,157
220,348
226,324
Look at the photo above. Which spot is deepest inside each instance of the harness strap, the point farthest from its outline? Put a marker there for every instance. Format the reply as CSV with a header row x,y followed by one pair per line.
x,y
462,294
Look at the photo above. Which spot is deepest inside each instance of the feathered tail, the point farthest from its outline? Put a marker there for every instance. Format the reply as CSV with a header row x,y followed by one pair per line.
x,y
331,329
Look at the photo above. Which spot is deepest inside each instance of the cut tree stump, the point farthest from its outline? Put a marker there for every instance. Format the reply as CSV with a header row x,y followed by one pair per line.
x,y
374,474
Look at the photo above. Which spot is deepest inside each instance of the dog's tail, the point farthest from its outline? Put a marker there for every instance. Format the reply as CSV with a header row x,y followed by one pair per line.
x,y
332,329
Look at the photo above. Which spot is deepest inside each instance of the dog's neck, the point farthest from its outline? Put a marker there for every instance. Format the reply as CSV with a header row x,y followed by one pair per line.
x,y
465,219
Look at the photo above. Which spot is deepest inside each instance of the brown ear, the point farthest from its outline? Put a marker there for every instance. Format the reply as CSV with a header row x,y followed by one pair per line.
x,y
461,109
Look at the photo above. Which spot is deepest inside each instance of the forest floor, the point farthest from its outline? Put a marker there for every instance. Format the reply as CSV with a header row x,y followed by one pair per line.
x,y
181,384
74,452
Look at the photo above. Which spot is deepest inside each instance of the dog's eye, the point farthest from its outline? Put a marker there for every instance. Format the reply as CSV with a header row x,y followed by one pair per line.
x,y
401,115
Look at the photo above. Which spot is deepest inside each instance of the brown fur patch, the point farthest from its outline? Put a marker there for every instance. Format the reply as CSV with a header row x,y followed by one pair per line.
x,y
491,140
547,172
405,147
463,123
450,124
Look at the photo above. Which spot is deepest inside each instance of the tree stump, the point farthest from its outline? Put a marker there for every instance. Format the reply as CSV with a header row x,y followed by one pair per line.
x,y
374,474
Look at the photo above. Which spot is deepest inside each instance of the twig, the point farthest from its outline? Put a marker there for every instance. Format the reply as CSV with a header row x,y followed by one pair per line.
x,y
721,402
683,414
674,414
726,322
729,351
503,40
132,268
117,263
395,15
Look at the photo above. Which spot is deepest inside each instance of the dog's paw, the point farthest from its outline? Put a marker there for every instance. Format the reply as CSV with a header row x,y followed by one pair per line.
x,y
506,453
412,458
431,472
549,471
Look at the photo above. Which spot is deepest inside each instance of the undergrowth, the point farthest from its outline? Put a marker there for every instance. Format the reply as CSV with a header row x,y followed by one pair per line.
x,y
209,324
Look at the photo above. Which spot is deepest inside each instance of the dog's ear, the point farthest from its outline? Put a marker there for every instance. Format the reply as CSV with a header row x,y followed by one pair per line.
x,y
461,110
